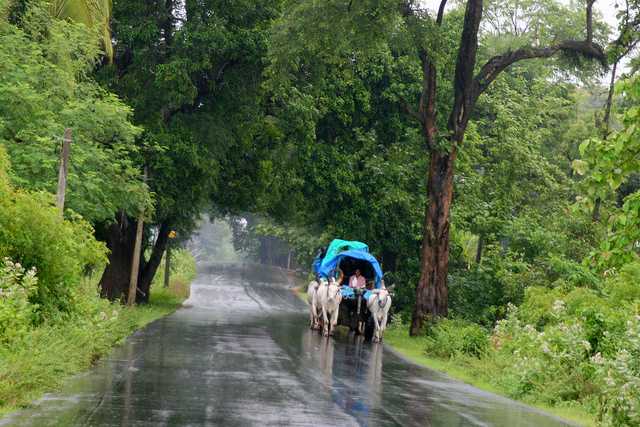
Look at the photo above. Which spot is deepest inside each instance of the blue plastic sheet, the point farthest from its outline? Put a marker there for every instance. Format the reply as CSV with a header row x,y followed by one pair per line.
x,y
330,265
338,245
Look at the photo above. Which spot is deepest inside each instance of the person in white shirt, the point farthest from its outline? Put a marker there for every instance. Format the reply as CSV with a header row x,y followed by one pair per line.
x,y
357,281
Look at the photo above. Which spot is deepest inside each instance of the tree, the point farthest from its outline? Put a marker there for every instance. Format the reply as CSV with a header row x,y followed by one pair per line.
x,y
45,87
453,86
191,72
431,292
343,162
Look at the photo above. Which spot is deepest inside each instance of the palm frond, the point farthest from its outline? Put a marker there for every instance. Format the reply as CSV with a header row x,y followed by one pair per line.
x,y
95,14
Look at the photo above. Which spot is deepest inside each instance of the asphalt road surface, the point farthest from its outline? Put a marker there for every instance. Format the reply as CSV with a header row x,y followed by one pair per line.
x,y
241,354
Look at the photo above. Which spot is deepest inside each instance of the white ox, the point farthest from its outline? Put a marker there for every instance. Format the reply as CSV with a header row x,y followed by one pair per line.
x,y
330,298
314,304
378,304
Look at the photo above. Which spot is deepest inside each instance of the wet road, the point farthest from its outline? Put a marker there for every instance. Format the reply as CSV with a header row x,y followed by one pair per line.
x,y
241,354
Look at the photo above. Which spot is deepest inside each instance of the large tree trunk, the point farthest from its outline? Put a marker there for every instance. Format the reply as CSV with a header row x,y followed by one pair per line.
x,y
432,292
120,239
150,268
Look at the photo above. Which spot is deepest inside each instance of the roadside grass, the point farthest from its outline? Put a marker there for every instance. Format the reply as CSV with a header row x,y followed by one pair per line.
x,y
476,372
45,358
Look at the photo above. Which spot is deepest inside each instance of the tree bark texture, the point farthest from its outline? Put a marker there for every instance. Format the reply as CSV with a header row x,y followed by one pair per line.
x,y
432,292
120,238
150,267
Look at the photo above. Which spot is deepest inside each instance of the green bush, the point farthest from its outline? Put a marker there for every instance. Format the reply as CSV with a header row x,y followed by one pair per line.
x,y
450,338
33,234
624,286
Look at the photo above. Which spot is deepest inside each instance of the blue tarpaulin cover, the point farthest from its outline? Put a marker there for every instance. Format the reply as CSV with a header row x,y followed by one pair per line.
x,y
315,265
338,245
330,264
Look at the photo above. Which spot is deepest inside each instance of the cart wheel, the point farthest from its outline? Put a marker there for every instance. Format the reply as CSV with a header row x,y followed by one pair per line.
x,y
369,329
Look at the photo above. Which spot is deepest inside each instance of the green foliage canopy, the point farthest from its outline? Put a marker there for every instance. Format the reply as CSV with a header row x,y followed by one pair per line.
x,y
45,87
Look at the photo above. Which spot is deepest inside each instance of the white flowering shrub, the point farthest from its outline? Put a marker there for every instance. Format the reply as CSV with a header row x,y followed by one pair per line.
x,y
550,365
16,312
583,350
619,380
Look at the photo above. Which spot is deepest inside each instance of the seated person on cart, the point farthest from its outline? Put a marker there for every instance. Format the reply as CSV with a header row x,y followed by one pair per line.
x,y
357,281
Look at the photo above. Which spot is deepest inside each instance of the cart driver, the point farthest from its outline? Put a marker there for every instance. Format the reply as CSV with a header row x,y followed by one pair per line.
x,y
357,281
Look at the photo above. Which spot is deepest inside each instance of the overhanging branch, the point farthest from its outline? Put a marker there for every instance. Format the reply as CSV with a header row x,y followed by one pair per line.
x,y
497,64
443,4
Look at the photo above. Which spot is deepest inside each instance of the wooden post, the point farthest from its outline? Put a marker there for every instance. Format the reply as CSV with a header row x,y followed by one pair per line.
x,y
63,170
135,263
167,266
289,260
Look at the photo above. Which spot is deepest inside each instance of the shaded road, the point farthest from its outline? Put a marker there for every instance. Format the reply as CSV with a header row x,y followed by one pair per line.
x,y
241,354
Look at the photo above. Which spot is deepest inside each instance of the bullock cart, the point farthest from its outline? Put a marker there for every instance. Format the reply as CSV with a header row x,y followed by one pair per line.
x,y
349,256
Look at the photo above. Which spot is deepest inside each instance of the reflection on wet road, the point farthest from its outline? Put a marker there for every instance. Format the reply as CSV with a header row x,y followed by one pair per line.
x,y
241,354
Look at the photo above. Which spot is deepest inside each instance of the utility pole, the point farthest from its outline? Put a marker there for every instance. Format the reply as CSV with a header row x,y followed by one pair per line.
x,y
135,262
63,170
167,266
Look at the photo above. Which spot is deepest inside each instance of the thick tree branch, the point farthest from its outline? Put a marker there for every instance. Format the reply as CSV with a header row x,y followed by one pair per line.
x,y
439,18
427,105
497,64
609,103
428,98
463,83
